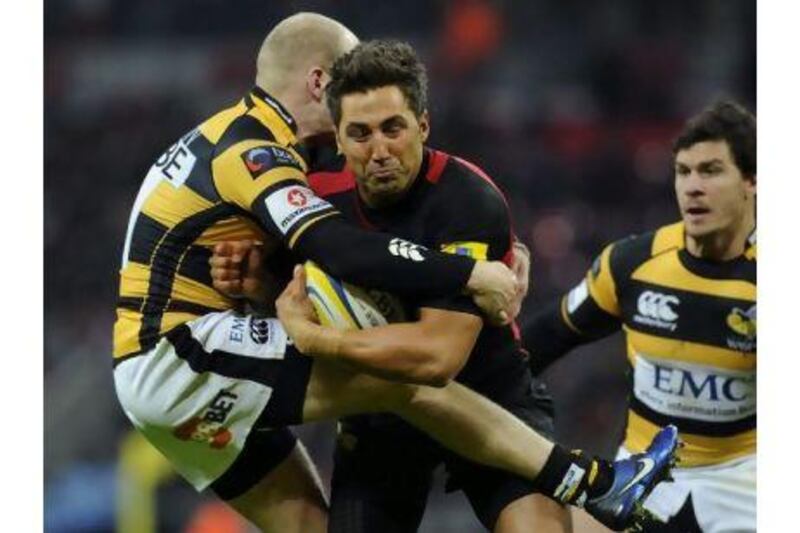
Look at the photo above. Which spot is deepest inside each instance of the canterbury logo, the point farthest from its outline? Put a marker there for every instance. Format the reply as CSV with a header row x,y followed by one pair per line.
x,y
406,250
657,310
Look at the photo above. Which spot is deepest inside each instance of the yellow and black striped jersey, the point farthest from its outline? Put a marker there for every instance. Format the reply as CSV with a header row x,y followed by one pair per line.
x,y
690,333
231,177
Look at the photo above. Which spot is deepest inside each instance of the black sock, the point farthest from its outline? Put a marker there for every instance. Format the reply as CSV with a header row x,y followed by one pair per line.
x,y
572,477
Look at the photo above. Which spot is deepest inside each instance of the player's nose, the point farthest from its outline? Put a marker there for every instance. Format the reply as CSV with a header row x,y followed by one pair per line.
x,y
380,149
693,185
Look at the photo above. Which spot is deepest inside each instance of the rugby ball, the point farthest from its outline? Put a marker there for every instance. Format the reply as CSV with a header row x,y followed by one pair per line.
x,y
345,306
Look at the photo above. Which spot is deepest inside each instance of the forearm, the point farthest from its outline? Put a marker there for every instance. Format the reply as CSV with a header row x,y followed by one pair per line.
x,y
377,260
397,352
548,336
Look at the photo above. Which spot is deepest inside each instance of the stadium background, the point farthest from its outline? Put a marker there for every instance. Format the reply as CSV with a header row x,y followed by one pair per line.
x,y
569,105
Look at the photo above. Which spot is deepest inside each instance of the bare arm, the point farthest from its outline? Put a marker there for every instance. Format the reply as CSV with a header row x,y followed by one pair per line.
x,y
430,351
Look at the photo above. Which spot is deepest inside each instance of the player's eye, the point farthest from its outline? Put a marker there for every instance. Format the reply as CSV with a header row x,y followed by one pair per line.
x,y
681,170
393,127
710,170
357,133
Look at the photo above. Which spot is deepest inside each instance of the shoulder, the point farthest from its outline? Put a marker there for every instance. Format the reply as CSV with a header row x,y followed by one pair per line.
x,y
330,175
246,135
242,128
249,144
625,255
464,185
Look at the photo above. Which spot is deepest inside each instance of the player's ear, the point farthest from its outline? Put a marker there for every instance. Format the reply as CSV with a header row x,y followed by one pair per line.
x,y
424,125
316,80
750,185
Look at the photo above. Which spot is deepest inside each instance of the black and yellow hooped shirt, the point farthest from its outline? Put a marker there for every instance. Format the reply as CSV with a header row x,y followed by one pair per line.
x,y
227,179
690,329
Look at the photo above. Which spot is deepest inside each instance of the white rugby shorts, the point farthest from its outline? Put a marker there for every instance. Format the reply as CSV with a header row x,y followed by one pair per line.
x,y
723,495
199,393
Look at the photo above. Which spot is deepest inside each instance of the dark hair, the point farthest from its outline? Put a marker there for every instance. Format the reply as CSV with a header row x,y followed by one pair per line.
x,y
375,64
727,121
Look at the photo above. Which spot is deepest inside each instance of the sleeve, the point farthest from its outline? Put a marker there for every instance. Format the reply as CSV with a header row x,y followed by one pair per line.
x,y
269,181
483,232
588,312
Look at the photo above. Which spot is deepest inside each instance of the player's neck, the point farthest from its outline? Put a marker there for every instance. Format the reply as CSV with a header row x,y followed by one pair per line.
x,y
725,244
383,201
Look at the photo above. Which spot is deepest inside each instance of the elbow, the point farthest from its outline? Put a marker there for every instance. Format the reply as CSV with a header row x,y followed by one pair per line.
x,y
441,370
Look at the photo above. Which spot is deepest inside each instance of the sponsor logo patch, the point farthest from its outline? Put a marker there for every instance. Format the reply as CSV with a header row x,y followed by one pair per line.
x,y
406,250
260,330
657,310
694,391
743,324
263,158
290,205
176,164
475,250
209,426
237,329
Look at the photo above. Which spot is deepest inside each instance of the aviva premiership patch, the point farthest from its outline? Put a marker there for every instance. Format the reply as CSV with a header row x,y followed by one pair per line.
x,y
475,250
263,158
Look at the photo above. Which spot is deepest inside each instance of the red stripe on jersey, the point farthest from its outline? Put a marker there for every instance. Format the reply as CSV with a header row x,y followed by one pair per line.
x,y
327,183
436,163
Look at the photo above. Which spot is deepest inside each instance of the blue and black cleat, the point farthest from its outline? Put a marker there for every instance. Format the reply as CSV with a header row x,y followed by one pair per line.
x,y
621,508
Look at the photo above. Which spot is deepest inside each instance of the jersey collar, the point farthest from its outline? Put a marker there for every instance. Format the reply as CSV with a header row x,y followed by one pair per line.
x,y
260,97
719,269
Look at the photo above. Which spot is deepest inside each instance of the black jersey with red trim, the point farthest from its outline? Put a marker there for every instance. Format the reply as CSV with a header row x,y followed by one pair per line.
x,y
240,175
452,206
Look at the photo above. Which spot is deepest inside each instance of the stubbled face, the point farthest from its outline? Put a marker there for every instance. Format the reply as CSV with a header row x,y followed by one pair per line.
x,y
382,139
713,195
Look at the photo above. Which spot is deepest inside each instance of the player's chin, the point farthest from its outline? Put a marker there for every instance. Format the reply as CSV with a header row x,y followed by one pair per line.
x,y
698,229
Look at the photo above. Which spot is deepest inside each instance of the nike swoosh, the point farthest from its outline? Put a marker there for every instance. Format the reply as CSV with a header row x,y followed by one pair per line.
x,y
645,466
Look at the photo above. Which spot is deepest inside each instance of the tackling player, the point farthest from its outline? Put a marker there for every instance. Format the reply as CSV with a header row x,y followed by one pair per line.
x,y
394,183
685,296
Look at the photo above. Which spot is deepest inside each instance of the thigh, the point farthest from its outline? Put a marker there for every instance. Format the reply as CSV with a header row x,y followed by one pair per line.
x,y
288,499
335,391
200,393
381,478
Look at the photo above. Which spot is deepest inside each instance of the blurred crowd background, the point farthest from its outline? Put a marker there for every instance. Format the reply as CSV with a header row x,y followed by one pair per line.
x,y
569,105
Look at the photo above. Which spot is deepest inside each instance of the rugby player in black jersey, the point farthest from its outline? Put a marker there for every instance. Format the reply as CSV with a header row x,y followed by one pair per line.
x,y
685,296
393,183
